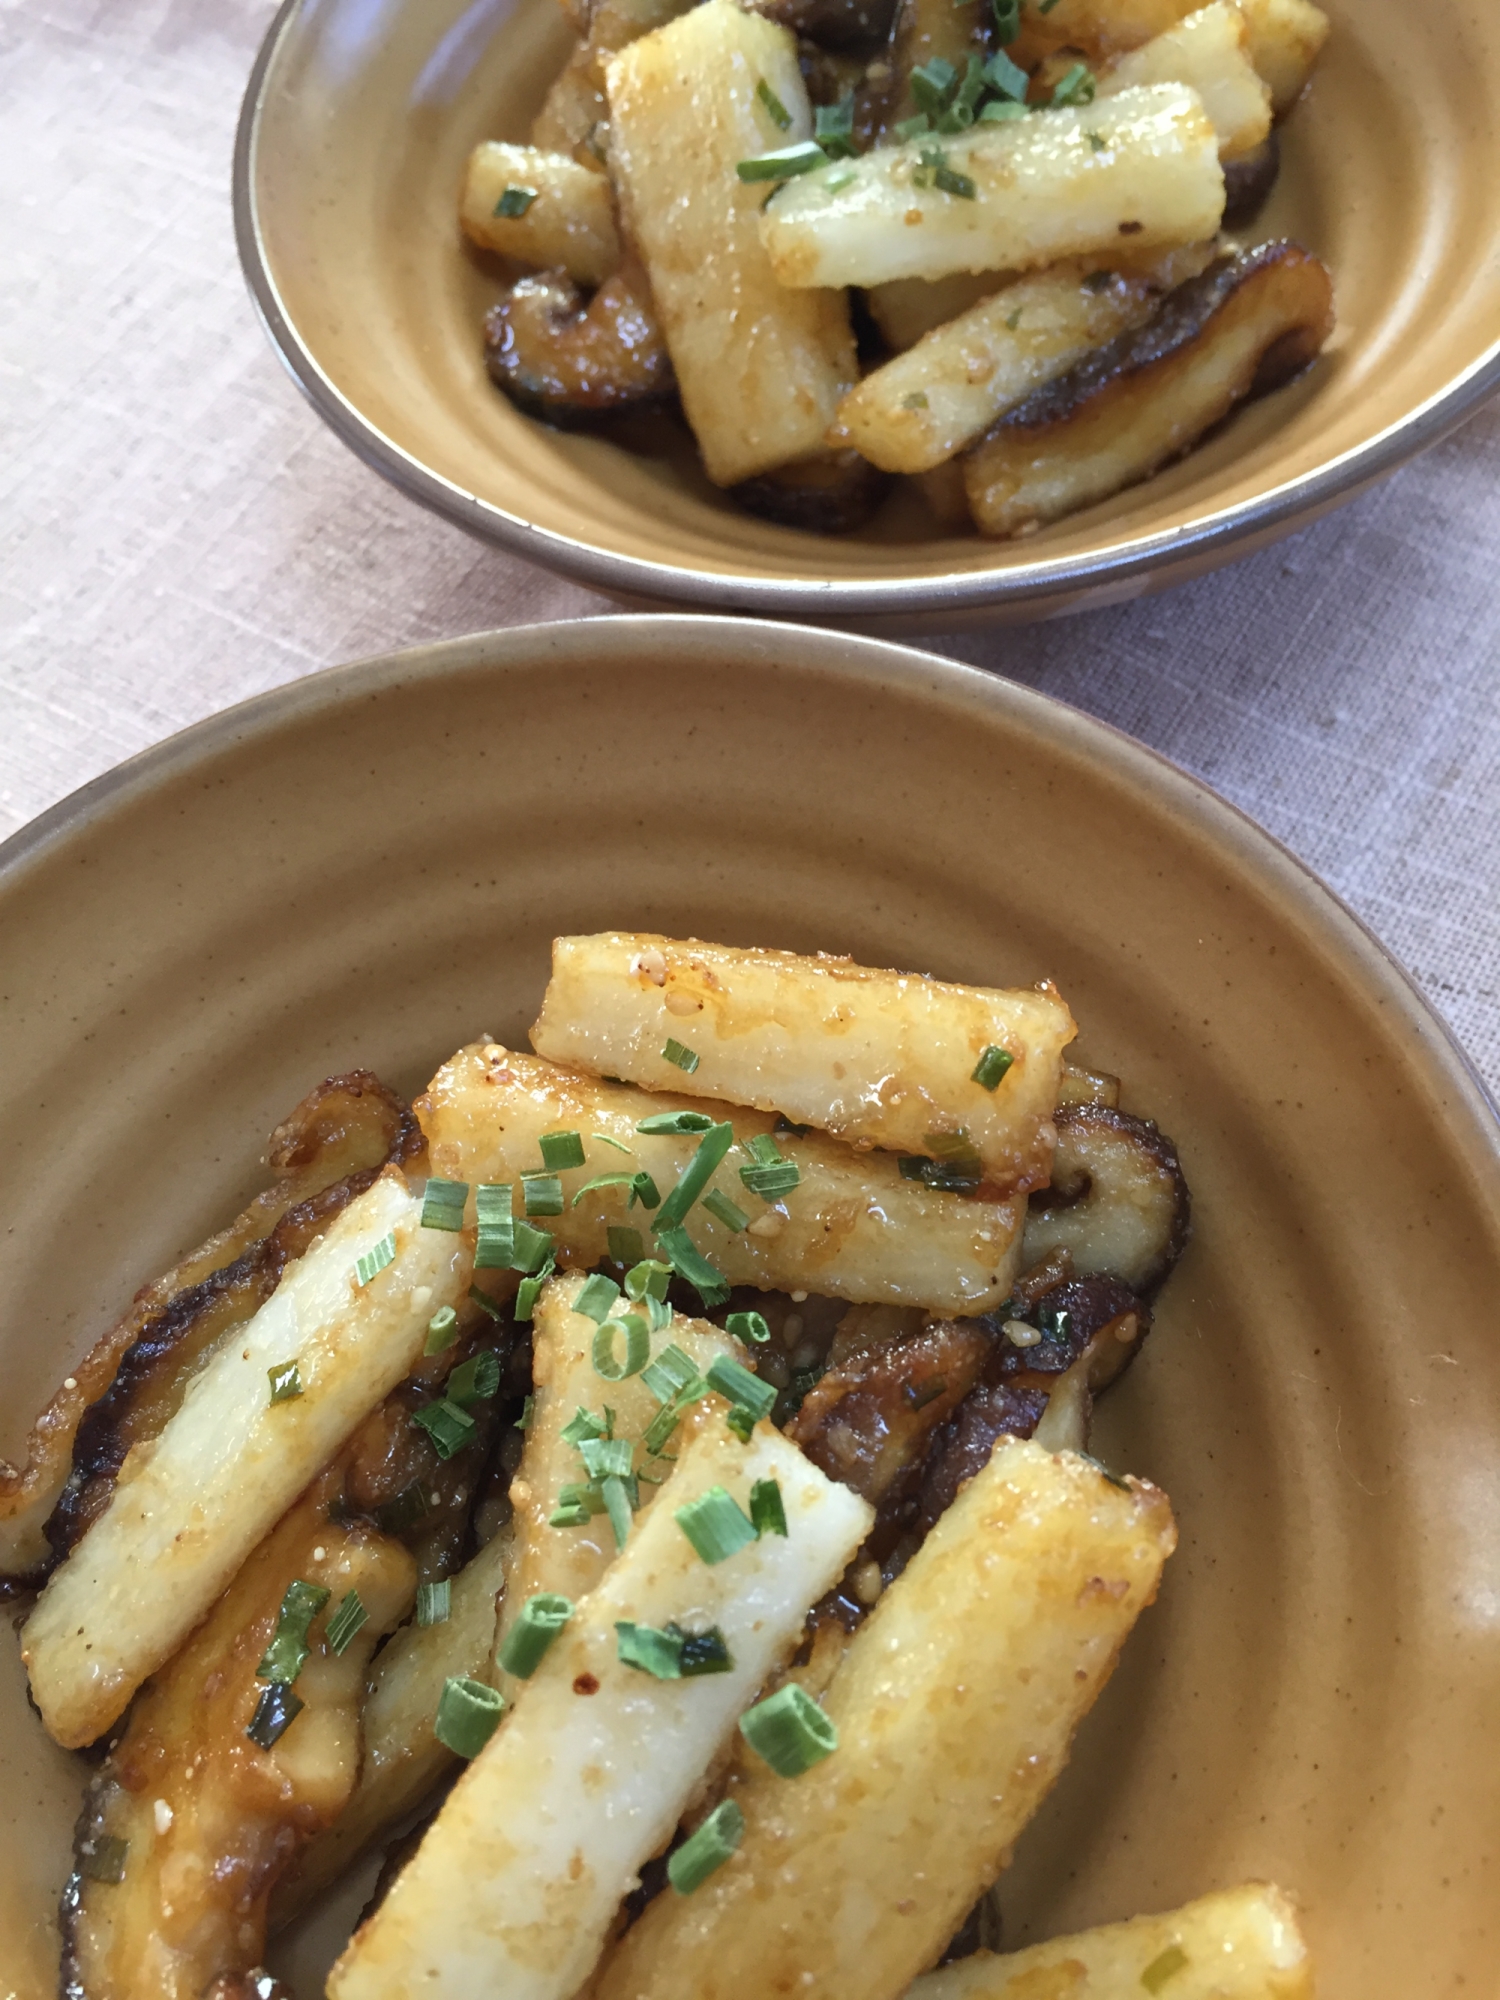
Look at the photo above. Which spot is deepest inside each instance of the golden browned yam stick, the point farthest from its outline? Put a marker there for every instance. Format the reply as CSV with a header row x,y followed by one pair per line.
x,y
1210,52
1141,168
854,1227
955,1706
1097,28
322,1154
876,1058
760,369
190,1822
541,208
921,409
1246,326
1238,1944
574,118
185,1514
1286,39
907,308
590,1770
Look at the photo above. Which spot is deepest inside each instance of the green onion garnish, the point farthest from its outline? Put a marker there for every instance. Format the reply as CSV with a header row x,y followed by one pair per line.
x,y
597,1298
626,1246
616,1497
917,400
912,128
680,1056
443,1203
702,1652
448,1427
934,171
375,1258
1001,111
486,1304
960,113
665,1124
689,1263
637,1347
1162,1967
737,1385
344,1622
1077,87
767,1509
718,1204
1007,19
707,1849
584,1425
769,1175
803,158
561,1150
468,1714
474,1381
790,1731
286,1382
716,1524
534,1249
496,1245
275,1712
776,111
833,128
103,1858
541,1194
749,1326
523,1422
1013,320
606,1457
515,201
642,1188
836,183
669,1374
403,1511
647,1278
434,1603
442,1331
652,1652
541,1619
932,84
605,1140
530,1289
991,1066
1001,74
695,1176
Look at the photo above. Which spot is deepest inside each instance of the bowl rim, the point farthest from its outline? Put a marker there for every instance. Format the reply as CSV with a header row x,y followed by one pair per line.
x,y
1471,1115
1121,570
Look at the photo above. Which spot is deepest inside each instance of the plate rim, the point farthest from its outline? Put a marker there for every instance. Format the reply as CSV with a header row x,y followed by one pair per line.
x,y
1138,562
1471,1112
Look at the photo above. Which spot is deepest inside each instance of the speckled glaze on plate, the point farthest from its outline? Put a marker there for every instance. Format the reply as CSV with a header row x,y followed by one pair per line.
x,y
367,868
355,129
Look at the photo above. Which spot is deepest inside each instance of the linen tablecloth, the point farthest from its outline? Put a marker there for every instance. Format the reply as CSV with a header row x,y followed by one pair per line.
x,y
179,531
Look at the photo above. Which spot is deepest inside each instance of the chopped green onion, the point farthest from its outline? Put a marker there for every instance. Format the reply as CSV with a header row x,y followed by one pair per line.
x,y
601,1181
605,1140
1162,1967
1013,320
665,1124
669,1374
287,1653
103,1858
637,1348
776,111
1077,87
767,1508
541,1194
1001,74
523,1422
583,1425
955,1165
1097,142
912,128
578,1502
486,1304
343,1623
434,1603
833,128
716,1524
838,182
597,1298
652,1652
275,1712
468,1714
496,1244
790,1731
991,1066
770,1176
736,1384
689,1263
286,1382
448,1427
998,112
534,1249
530,1289
515,201
643,1188
443,1203
607,1457
616,1497
718,1204
934,171
541,1619
442,1330
658,1314
561,1150
1045,6
707,1849
680,1056
375,1258
960,113
917,400
749,1326
404,1509
1007,19
626,1246
932,85
702,1652
474,1381
1103,1470
647,1278
695,1176
803,158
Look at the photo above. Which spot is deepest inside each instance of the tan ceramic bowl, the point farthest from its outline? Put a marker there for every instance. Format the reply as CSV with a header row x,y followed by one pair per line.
x,y
356,126
367,867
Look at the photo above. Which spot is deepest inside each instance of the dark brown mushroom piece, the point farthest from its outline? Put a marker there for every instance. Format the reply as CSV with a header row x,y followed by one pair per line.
x,y
1248,181
571,360
1118,1204
834,24
828,495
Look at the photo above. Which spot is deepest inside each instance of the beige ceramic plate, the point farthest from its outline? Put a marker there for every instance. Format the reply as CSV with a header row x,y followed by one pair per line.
x,y
356,125
367,867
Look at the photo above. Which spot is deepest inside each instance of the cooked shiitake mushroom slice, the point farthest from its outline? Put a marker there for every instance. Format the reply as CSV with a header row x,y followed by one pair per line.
x,y
1248,181
827,495
1118,1203
568,360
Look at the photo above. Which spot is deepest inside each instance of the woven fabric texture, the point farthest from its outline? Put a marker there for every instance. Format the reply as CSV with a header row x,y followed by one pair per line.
x,y
178,530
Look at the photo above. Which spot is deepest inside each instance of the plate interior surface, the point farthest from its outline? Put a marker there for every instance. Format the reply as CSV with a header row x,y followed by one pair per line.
x,y
367,868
